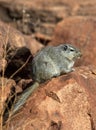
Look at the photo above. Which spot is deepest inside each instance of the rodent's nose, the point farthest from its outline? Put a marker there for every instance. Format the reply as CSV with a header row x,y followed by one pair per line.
x,y
79,54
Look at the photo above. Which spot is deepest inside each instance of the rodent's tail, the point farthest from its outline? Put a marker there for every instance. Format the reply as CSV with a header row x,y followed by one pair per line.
x,y
23,98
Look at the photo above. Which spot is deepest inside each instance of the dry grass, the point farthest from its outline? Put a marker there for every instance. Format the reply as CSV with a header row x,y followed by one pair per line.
x,y
3,84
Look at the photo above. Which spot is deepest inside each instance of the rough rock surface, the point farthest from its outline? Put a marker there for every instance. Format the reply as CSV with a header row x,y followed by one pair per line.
x,y
10,40
33,44
66,102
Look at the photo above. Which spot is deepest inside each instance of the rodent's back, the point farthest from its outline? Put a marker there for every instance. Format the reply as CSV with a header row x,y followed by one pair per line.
x,y
52,61
43,65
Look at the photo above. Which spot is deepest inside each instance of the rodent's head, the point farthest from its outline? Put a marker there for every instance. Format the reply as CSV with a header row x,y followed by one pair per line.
x,y
70,52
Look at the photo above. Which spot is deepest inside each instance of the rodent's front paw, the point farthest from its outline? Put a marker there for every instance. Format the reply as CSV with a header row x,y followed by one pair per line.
x,y
73,69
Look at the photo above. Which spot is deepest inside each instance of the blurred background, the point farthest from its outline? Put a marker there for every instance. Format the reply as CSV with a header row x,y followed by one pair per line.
x,y
53,22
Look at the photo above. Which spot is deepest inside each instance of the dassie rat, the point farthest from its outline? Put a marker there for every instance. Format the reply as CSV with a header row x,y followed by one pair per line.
x,y
49,62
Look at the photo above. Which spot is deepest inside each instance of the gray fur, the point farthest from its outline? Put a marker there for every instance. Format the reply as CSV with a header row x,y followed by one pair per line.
x,y
54,61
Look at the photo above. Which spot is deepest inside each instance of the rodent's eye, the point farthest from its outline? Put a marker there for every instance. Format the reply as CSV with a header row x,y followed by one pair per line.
x,y
71,49
65,48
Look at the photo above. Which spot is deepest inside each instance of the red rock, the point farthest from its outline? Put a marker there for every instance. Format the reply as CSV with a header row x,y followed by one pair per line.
x,y
33,45
11,36
30,18
76,108
10,40
81,32
22,84
13,52
43,38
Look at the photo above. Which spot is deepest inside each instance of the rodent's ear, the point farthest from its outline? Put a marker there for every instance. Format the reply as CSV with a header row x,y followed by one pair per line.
x,y
65,47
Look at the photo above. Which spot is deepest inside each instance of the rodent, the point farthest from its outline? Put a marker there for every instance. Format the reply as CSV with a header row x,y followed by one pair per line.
x,y
49,62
